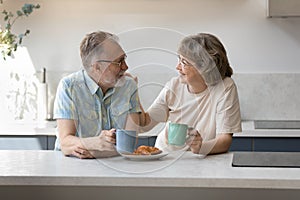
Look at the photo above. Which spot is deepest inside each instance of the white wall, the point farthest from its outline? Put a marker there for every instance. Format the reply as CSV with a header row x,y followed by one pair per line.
x,y
254,43
150,30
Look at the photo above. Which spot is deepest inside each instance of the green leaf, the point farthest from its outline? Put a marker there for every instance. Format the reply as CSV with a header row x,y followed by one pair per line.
x,y
8,26
27,8
9,39
19,13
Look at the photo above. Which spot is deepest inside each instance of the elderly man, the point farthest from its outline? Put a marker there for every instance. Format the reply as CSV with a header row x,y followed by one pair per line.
x,y
92,103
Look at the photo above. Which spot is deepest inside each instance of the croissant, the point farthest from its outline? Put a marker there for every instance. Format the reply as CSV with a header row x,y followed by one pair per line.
x,y
146,150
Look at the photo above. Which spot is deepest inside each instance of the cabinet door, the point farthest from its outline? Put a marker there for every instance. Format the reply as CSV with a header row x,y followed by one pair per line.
x,y
277,144
143,141
152,140
241,144
23,143
146,140
51,142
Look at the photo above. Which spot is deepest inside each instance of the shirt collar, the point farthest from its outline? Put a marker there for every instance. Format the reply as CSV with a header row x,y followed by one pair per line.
x,y
94,87
91,84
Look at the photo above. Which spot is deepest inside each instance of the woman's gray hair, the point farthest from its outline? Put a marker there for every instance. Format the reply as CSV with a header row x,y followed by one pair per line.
x,y
208,54
91,47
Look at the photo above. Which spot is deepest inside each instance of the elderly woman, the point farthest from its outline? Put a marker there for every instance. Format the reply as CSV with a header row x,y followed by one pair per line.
x,y
203,96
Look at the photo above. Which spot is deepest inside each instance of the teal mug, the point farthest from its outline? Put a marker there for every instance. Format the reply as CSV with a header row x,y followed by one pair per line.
x,y
177,134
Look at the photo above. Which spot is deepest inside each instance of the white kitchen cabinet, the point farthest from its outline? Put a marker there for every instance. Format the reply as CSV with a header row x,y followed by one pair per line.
x,y
283,8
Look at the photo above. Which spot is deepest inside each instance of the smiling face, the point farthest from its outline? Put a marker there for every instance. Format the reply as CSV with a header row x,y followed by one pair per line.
x,y
189,74
112,66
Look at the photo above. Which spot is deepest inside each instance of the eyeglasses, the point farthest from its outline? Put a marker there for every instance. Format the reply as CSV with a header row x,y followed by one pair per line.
x,y
183,62
120,63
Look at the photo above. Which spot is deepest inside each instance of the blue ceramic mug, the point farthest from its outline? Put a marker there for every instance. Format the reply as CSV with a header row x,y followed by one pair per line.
x,y
126,141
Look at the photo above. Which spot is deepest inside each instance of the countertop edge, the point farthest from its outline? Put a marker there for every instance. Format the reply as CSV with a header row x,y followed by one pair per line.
x,y
151,182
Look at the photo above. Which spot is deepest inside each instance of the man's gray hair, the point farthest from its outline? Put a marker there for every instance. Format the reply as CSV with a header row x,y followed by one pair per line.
x,y
91,47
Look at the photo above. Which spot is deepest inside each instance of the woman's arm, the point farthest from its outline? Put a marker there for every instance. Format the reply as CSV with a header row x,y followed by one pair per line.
x,y
220,144
133,122
146,122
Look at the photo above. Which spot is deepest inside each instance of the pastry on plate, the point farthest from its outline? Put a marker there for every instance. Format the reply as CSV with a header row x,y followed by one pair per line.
x,y
146,150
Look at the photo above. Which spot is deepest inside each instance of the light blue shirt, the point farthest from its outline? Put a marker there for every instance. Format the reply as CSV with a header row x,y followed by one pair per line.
x,y
80,98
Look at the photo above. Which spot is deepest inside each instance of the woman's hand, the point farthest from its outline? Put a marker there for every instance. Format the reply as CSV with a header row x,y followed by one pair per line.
x,y
135,78
195,141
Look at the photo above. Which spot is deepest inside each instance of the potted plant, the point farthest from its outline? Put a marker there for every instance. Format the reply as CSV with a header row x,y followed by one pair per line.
x,y
10,41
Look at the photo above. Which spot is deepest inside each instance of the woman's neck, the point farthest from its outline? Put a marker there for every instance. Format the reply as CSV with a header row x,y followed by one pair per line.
x,y
196,88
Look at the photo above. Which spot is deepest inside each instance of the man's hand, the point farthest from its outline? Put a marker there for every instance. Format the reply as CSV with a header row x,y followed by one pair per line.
x,y
102,145
81,153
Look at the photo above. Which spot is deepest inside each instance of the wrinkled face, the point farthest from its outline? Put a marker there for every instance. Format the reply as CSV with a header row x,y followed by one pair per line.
x,y
189,73
112,66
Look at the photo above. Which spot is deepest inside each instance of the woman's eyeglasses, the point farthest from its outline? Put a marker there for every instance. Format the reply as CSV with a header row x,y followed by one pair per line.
x,y
183,62
120,63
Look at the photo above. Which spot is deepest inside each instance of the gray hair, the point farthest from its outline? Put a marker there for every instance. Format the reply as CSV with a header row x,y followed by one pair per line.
x,y
208,54
91,47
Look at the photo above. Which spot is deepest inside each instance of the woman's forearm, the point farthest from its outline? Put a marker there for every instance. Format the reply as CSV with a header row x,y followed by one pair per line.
x,y
220,144
148,123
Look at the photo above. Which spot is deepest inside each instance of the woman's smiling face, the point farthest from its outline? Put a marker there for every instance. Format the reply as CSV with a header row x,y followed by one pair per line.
x,y
188,72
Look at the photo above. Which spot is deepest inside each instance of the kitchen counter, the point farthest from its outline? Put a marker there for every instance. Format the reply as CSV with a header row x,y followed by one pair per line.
x,y
180,171
32,128
249,130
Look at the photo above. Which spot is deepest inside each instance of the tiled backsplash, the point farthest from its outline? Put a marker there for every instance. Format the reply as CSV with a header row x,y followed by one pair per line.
x,y
269,96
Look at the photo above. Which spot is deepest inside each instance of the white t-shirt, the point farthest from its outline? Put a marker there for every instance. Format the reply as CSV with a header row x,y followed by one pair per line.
x,y
213,111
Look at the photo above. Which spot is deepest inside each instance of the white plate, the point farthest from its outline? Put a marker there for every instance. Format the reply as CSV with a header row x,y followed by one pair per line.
x,y
144,157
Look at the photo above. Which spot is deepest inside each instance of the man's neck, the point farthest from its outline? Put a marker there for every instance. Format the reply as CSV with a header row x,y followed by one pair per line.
x,y
103,88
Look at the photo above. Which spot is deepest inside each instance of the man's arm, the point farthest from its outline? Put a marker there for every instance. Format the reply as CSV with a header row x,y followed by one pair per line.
x,y
90,147
70,144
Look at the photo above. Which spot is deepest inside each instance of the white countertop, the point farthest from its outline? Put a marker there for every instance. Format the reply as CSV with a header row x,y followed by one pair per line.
x,y
50,168
32,128
248,130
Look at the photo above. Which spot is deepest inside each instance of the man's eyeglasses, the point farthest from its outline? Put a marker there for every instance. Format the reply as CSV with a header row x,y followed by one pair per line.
x,y
120,63
183,62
